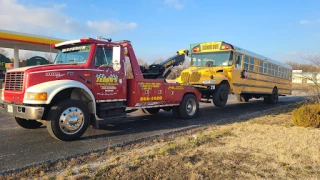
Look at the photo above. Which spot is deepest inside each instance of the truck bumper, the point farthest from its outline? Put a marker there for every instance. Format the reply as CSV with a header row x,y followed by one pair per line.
x,y
21,111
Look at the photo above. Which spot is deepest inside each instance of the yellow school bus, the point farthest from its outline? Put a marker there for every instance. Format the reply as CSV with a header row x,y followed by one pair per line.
x,y
218,69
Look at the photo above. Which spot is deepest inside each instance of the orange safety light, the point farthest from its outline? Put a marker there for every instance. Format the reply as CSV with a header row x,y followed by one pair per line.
x,y
196,49
225,47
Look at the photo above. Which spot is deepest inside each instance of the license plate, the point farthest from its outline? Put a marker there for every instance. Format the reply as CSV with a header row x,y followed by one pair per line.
x,y
213,87
10,108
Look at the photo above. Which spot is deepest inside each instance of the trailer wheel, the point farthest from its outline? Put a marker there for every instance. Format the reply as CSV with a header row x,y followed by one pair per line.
x,y
220,96
68,120
27,124
189,107
150,110
242,98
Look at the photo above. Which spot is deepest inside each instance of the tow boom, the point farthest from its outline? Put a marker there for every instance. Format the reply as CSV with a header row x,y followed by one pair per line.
x,y
158,71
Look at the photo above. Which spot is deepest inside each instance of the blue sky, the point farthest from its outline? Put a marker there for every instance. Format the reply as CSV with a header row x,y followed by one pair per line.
x,y
282,30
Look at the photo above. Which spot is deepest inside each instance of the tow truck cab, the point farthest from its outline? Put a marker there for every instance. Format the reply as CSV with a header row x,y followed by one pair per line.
x,y
86,84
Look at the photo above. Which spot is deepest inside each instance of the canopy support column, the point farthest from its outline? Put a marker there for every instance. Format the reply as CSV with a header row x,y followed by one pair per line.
x,y
16,56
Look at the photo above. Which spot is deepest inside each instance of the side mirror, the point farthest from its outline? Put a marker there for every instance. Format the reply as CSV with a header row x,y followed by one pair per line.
x,y
116,54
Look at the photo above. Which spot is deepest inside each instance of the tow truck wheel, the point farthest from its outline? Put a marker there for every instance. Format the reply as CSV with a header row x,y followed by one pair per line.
x,y
68,120
27,124
189,107
151,110
220,96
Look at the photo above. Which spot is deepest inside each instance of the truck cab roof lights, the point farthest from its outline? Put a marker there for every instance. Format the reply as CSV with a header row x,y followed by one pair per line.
x,y
122,41
69,42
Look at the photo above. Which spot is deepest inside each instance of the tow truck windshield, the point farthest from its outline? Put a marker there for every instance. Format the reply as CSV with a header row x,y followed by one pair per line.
x,y
73,55
211,59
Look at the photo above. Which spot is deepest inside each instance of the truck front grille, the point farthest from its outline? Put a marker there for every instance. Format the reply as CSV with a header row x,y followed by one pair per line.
x,y
195,77
185,76
14,81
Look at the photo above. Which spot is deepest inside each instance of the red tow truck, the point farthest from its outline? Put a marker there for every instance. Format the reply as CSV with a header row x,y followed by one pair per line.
x,y
88,83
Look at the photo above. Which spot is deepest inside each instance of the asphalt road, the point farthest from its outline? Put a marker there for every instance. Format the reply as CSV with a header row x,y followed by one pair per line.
x,y
20,147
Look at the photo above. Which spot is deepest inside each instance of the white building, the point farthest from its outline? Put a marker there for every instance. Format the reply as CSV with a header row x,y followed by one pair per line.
x,y
300,77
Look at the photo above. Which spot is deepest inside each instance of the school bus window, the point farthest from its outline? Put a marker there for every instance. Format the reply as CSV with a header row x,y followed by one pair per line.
x,y
290,74
265,67
285,73
251,63
269,68
211,59
260,66
246,63
238,63
279,74
276,71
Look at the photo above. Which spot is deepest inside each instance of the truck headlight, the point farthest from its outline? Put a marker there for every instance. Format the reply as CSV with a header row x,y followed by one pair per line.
x,y
37,96
209,81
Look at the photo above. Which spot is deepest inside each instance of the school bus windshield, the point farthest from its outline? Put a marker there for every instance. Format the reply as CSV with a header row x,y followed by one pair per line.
x,y
211,59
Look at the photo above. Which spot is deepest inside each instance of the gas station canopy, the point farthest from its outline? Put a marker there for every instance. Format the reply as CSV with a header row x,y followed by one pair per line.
x,y
8,39
17,41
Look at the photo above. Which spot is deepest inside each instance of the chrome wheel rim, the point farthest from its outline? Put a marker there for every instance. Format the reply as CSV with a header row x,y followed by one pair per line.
x,y
191,107
71,120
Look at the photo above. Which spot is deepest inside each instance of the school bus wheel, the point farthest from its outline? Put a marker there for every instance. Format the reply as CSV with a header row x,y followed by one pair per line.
x,y
272,98
242,98
220,96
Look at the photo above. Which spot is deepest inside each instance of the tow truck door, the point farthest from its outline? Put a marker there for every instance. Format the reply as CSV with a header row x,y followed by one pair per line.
x,y
108,83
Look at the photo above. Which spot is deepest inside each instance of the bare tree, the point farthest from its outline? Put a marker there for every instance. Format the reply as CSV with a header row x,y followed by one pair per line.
x,y
158,61
142,63
307,67
310,79
49,57
27,55
4,52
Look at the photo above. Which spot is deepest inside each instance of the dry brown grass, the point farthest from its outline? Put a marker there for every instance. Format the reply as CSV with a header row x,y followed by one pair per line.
x,y
268,147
